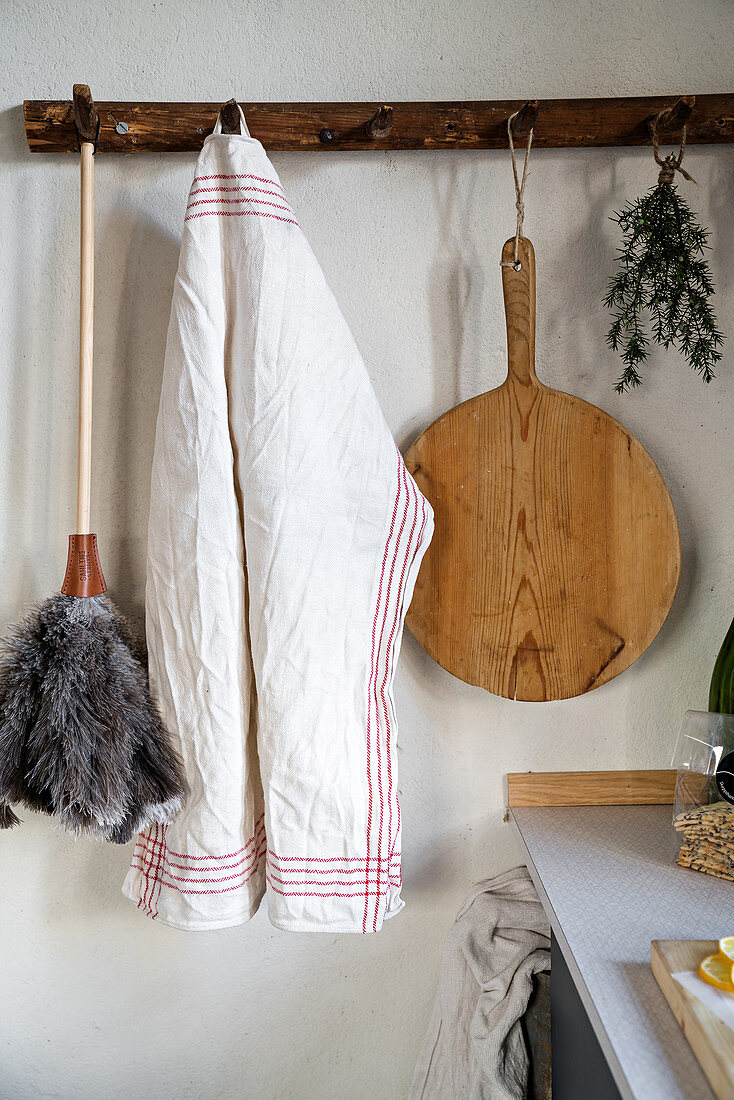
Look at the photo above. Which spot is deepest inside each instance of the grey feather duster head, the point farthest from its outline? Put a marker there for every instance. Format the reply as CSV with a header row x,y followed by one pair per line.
x,y
80,737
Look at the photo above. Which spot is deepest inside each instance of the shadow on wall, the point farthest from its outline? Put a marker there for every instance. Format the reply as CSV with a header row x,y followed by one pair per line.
x,y
35,461
135,264
456,288
136,267
135,270
582,363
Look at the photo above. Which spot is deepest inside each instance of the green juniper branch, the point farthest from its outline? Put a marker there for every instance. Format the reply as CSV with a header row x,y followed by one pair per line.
x,y
663,273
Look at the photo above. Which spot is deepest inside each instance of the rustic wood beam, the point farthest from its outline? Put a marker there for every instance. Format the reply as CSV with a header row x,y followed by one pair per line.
x,y
561,123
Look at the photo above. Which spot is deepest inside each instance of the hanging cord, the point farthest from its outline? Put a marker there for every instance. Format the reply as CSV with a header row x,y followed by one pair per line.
x,y
672,163
519,189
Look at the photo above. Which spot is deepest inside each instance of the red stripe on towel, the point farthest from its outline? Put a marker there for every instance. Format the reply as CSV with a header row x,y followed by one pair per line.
x,y
244,873
239,214
151,858
329,882
403,491
159,869
413,491
211,863
328,871
327,859
314,894
260,179
205,870
369,698
224,890
224,190
263,202
145,869
150,872
259,827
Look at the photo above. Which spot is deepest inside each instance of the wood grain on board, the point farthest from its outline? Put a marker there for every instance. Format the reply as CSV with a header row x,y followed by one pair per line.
x,y
556,552
129,127
612,788
710,1039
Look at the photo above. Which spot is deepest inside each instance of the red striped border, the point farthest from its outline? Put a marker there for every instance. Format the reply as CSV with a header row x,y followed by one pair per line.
x,y
151,857
419,498
342,877
146,868
386,663
369,696
166,881
154,845
410,499
320,894
412,491
196,871
219,190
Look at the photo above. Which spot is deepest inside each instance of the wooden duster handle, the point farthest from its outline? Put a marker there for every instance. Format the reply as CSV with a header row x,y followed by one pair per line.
x,y
86,337
83,571
519,292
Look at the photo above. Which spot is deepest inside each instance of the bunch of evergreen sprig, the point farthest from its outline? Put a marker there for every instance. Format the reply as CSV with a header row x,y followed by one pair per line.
x,y
662,273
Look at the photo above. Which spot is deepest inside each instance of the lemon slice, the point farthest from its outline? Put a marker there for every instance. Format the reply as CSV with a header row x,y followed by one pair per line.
x,y
726,947
717,970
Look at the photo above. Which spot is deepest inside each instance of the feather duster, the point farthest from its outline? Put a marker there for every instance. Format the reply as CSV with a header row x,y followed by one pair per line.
x,y
80,737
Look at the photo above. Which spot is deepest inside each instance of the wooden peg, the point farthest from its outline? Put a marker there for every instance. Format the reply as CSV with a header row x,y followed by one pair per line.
x,y
526,119
230,115
675,117
380,125
86,119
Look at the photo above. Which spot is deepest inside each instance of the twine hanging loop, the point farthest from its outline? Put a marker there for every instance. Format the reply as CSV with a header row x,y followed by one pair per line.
x,y
672,163
519,189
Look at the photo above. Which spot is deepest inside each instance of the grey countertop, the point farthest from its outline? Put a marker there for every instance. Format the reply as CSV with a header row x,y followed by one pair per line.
x,y
607,879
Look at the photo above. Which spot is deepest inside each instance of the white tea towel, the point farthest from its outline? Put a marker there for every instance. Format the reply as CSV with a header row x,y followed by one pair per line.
x,y
474,1047
284,542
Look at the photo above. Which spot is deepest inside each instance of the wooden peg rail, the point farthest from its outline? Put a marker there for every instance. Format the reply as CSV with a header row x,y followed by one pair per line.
x,y
559,123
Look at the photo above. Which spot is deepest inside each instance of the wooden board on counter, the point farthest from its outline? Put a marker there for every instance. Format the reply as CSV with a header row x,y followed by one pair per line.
x,y
612,788
710,1039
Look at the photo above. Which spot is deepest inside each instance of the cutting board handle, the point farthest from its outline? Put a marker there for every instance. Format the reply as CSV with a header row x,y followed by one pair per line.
x,y
518,288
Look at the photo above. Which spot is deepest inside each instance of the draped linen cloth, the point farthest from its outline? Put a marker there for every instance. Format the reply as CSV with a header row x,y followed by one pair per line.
x,y
474,1047
284,543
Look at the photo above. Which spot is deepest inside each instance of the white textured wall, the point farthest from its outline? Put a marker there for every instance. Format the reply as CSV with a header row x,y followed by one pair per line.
x,y
98,1002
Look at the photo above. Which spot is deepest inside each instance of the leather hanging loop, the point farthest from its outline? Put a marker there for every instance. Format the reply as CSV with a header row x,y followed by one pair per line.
x,y
83,572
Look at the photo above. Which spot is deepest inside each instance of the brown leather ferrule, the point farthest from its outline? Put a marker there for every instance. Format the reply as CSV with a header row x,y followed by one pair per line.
x,y
83,571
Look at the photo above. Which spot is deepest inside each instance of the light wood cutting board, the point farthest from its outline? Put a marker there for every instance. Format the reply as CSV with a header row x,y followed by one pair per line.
x,y
710,1039
556,554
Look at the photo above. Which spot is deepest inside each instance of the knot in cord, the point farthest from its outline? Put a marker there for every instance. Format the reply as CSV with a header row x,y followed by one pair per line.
x,y
519,188
672,163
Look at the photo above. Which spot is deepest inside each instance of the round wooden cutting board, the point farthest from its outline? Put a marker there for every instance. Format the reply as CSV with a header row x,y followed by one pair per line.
x,y
556,553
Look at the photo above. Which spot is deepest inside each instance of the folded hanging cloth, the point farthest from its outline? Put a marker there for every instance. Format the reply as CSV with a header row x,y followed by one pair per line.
x,y
284,543
474,1047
